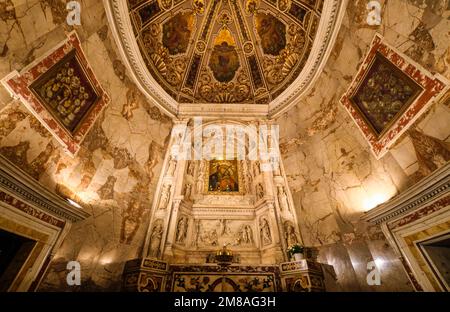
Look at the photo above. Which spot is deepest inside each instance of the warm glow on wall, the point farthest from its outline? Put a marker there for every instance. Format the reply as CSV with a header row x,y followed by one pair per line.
x,y
379,262
374,200
106,260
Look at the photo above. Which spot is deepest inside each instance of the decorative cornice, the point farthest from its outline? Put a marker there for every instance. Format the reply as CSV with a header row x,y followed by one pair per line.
x,y
119,21
429,189
19,184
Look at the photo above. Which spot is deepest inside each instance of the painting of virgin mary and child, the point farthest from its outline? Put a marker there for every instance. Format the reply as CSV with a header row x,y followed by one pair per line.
x,y
223,176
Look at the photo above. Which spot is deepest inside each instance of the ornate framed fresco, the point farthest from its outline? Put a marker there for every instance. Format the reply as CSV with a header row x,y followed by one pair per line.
x,y
224,177
389,92
61,91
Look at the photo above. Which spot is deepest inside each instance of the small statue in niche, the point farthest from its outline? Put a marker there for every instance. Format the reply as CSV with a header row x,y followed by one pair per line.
x,y
282,198
155,240
172,166
198,229
291,237
256,168
247,176
190,168
276,167
181,230
187,191
165,195
202,167
200,185
249,181
259,191
266,237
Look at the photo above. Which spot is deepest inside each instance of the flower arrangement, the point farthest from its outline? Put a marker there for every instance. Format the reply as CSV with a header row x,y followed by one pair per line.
x,y
294,249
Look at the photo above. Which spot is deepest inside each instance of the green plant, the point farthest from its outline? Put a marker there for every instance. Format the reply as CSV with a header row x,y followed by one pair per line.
x,y
295,249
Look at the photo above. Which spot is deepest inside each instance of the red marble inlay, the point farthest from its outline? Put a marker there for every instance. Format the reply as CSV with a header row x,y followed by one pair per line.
x,y
422,212
410,274
432,86
17,203
20,85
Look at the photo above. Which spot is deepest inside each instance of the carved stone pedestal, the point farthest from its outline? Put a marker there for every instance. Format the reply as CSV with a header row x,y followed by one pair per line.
x,y
145,275
303,276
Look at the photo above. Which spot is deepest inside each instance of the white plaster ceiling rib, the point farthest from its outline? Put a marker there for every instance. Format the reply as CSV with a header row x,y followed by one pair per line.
x,y
119,20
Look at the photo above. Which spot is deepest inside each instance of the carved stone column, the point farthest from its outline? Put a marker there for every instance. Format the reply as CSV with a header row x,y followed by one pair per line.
x,y
169,186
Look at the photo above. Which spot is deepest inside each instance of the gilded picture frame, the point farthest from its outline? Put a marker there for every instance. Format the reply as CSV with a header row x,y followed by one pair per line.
x,y
225,164
432,87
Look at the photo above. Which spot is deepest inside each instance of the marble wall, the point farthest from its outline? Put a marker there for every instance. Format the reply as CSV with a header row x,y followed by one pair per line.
x,y
332,173
115,172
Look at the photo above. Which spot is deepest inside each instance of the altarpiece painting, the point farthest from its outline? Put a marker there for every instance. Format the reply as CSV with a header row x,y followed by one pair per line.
x,y
223,176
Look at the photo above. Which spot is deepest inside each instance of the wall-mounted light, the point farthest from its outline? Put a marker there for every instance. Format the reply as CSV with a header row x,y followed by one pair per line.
x,y
75,204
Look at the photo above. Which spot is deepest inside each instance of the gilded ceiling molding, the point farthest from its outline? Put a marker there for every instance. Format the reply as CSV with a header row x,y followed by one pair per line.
x,y
285,96
332,14
122,30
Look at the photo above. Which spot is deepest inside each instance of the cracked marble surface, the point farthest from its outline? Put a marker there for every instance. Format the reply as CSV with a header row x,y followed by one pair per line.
x,y
333,176
114,174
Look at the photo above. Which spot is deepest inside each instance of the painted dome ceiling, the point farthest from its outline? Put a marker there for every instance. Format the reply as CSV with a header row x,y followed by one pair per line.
x,y
225,51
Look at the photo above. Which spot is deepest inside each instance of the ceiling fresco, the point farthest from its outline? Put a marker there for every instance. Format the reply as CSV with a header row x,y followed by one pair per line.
x,y
225,51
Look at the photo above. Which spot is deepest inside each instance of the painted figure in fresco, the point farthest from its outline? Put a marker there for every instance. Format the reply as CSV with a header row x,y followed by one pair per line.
x,y
224,59
155,240
223,176
177,31
272,33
